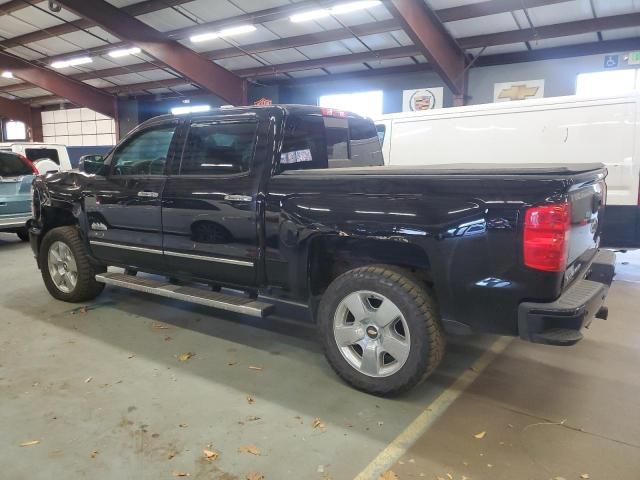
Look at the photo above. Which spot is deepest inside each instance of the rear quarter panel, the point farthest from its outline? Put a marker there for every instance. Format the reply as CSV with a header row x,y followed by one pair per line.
x,y
467,226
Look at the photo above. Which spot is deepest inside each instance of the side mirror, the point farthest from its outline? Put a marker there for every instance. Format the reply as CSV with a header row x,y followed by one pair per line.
x,y
46,165
91,163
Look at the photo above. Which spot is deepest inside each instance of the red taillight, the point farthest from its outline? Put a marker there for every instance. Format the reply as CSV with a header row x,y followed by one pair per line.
x,y
30,164
546,237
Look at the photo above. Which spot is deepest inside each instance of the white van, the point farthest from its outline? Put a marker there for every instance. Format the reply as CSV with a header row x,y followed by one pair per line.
x,y
39,153
551,130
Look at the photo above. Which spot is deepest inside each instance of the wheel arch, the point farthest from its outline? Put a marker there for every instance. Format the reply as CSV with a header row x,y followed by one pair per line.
x,y
329,256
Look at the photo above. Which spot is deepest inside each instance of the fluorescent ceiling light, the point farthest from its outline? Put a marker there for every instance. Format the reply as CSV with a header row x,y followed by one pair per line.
x,y
336,10
7,74
190,109
72,62
353,6
227,32
123,52
311,15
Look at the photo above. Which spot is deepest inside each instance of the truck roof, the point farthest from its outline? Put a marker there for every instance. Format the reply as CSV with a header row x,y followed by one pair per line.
x,y
226,110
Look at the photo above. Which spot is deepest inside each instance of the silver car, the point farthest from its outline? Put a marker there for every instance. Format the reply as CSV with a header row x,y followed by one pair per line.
x,y
16,175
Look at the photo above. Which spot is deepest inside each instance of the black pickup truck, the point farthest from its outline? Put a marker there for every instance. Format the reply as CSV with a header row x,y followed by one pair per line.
x,y
244,209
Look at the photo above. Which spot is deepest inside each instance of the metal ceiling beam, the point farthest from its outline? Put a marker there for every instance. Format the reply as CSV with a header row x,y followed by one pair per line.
x,y
328,62
489,7
568,51
432,39
117,90
77,92
552,31
141,8
183,60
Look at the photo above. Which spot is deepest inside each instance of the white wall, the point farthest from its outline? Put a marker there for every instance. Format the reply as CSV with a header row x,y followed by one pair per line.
x,y
78,127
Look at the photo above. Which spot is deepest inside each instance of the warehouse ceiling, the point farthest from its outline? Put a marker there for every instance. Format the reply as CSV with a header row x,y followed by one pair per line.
x,y
259,40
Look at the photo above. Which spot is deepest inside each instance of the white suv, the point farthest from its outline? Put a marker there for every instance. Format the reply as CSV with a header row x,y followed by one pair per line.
x,y
45,156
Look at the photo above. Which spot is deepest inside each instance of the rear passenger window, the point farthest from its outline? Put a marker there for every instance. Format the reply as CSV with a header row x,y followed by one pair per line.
x,y
317,141
34,154
215,148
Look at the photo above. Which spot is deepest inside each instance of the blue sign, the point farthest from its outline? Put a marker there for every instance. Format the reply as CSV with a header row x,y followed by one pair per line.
x,y
611,61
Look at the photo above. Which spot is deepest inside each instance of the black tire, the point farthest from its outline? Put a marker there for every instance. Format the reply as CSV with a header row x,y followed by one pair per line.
x,y
86,286
427,340
23,234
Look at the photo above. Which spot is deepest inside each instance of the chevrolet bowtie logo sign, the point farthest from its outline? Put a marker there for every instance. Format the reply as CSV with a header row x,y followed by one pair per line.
x,y
518,92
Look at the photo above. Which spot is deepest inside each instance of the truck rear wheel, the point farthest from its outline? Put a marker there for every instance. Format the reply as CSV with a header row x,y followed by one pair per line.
x,y
380,329
67,271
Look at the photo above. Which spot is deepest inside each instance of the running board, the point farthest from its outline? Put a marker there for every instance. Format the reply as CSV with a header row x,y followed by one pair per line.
x,y
231,303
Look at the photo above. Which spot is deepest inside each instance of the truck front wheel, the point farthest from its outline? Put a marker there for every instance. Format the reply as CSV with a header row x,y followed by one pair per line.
x,y
67,271
380,329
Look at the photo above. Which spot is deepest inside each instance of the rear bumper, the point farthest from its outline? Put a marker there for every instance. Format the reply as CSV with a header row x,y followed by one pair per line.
x,y
14,221
560,322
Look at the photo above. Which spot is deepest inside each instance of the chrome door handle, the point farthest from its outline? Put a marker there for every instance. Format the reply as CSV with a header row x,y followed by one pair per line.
x,y
238,198
147,194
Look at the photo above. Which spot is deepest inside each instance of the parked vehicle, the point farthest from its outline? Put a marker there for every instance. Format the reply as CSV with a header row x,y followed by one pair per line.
x,y
387,259
47,158
561,130
16,175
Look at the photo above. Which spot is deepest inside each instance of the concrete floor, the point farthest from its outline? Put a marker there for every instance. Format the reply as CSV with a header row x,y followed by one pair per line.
x,y
104,393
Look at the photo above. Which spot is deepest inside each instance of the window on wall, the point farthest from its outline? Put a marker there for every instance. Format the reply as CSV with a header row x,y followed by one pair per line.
x,y
367,104
14,130
607,83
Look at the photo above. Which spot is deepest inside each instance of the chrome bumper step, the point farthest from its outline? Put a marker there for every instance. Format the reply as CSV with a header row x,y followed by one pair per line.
x,y
222,301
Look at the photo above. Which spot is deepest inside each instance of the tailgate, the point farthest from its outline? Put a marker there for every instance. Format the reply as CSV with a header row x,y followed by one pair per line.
x,y
586,206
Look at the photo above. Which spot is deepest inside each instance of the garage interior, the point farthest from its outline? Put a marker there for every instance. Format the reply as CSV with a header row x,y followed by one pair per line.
x,y
104,390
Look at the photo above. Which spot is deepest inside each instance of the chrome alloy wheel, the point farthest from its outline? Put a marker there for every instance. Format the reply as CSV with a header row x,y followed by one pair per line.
x,y
371,333
62,267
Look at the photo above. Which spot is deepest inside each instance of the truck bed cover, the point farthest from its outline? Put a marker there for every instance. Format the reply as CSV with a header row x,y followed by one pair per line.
x,y
460,169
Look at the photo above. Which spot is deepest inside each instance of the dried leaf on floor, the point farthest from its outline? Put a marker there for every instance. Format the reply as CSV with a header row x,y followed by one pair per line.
x,y
88,379
171,454
83,309
94,454
449,476
559,478
183,357
250,400
159,326
181,474
182,425
255,476
389,475
317,423
210,454
480,435
252,449
464,477
30,443
131,355
252,418
167,339
585,476
252,367
231,364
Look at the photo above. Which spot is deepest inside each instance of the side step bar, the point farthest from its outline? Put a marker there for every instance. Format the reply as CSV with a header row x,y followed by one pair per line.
x,y
231,303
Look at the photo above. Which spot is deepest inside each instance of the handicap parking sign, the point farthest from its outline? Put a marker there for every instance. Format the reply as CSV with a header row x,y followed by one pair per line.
x,y
611,61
